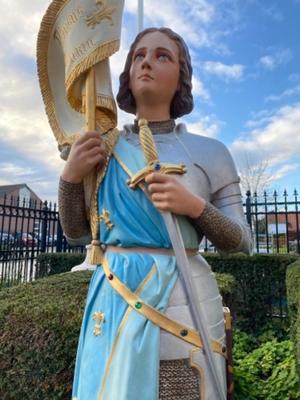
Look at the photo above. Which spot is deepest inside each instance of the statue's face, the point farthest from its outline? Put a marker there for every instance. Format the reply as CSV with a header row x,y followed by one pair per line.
x,y
155,70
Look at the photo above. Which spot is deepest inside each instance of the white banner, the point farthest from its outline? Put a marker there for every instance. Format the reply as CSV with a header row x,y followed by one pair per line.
x,y
74,36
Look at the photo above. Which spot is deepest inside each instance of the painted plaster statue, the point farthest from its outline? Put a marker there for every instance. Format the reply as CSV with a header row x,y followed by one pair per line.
x,y
137,336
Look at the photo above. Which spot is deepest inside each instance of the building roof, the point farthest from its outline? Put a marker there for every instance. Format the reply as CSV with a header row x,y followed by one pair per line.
x,y
8,189
290,219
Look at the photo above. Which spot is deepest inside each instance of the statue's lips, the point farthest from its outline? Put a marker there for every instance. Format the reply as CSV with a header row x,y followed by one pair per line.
x,y
145,76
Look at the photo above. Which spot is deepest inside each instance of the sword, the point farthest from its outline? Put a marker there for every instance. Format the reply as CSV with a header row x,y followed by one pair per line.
x,y
151,155
196,312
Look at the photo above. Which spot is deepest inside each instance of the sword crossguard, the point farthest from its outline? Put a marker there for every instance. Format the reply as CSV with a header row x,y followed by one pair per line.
x,y
155,166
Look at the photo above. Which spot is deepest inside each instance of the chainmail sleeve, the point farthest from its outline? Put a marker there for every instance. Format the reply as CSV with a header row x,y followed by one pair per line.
x,y
72,213
223,222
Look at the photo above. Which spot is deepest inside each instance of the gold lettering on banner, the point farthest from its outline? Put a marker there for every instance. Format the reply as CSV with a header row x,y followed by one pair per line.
x,y
104,12
81,50
64,28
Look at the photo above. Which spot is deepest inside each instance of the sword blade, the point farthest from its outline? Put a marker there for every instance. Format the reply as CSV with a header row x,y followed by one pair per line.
x,y
196,312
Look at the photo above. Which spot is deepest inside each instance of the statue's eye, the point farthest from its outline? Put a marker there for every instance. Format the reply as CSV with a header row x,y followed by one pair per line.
x,y
138,56
163,57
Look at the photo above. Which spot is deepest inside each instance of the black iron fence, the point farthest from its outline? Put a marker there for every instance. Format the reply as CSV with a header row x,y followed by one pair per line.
x,y
274,219
30,228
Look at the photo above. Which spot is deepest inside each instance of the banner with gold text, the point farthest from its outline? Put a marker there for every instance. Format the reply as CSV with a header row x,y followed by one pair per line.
x,y
74,36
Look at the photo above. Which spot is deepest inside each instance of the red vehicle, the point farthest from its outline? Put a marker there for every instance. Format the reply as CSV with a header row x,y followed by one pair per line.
x,y
26,239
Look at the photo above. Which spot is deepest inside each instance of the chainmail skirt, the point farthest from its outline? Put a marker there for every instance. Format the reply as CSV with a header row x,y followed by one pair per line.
x,y
177,381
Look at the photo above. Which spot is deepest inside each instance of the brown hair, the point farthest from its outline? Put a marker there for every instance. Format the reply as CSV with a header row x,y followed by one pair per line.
x,y
182,102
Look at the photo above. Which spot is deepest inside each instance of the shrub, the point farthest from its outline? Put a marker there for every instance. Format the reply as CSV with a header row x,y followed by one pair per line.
x,y
57,263
38,342
293,294
40,325
264,373
260,288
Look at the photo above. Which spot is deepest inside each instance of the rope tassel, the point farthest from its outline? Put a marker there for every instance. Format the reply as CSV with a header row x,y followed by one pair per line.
x,y
96,256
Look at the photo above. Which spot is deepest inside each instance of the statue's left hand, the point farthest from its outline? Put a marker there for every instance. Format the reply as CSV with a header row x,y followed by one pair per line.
x,y
168,194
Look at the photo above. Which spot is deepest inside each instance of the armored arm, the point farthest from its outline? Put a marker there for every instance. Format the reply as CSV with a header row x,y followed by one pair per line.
x,y
223,221
72,213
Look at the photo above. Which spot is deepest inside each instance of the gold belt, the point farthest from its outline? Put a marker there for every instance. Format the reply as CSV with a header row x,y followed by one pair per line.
x,y
150,250
175,328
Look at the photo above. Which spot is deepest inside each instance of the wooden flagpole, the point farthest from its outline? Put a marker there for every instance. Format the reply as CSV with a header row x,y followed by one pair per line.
x,y
90,122
90,181
90,100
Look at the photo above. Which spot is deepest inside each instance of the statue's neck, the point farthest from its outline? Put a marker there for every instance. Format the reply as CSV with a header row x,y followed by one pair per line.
x,y
166,126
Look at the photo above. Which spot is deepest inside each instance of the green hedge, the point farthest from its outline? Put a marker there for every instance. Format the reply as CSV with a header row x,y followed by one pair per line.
x,y
264,370
259,292
56,263
260,288
293,295
40,324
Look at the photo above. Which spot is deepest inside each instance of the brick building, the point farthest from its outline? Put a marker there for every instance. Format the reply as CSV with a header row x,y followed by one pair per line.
x,y
15,215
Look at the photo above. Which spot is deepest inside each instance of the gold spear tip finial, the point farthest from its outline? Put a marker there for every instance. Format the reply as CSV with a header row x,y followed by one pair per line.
x,y
142,122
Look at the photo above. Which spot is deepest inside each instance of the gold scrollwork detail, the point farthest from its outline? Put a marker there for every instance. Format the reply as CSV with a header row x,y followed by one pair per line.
x,y
104,12
98,316
104,216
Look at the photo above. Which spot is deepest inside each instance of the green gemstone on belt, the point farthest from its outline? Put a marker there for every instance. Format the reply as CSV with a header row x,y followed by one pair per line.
x,y
138,305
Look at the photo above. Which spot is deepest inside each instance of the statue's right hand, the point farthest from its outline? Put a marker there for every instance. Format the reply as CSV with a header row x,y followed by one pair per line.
x,y
86,152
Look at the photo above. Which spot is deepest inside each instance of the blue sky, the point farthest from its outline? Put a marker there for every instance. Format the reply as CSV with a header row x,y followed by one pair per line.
x,y
246,64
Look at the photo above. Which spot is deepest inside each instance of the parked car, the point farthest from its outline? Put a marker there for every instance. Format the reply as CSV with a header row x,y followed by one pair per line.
x,y
52,240
7,237
26,239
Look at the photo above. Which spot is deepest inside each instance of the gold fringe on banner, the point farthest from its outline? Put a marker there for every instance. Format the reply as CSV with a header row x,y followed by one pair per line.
x,y
99,54
102,101
42,57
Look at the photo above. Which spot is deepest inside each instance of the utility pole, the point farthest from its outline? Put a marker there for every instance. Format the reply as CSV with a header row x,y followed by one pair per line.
x,y
140,15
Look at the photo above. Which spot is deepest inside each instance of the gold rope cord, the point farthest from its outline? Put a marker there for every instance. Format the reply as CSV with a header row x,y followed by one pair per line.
x,y
147,142
96,258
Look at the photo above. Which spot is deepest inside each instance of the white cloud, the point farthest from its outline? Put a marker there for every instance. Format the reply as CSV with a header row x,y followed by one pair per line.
x,y
279,57
294,77
273,12
30,154
268,62
33,157
227,72
175,13
286,93
202,10
278,139
199,89
207,125
284,170
8,168
19,25
23,122
260,118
